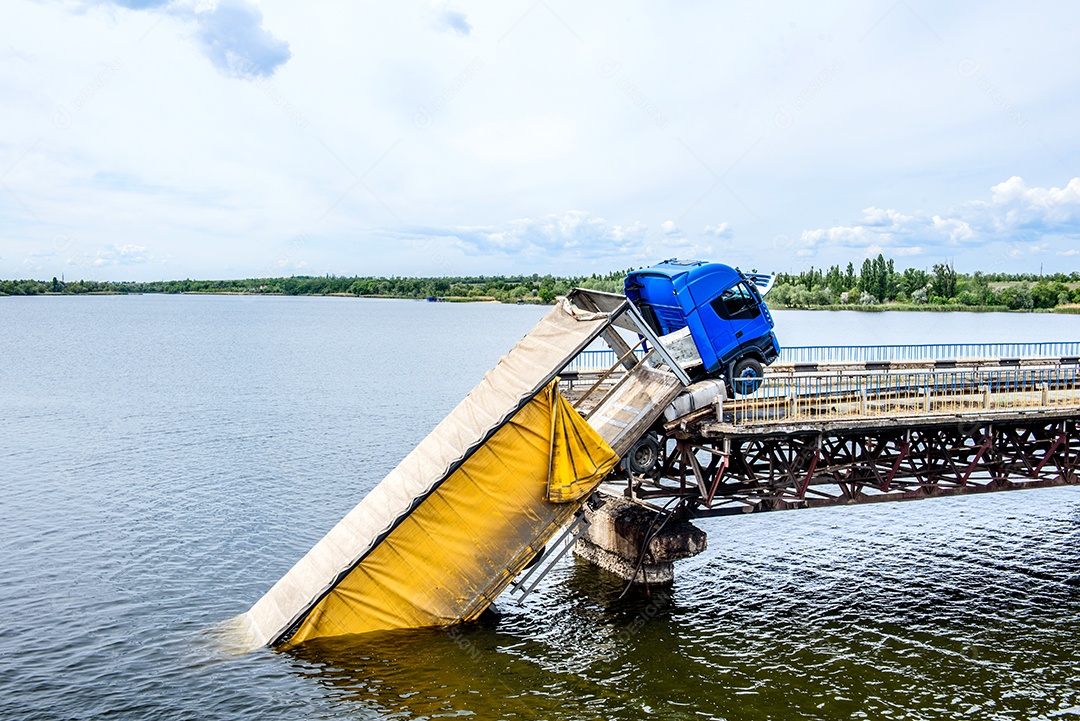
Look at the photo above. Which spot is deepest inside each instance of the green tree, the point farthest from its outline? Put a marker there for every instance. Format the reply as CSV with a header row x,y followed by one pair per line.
x,y
943,284
1044,295
1016,297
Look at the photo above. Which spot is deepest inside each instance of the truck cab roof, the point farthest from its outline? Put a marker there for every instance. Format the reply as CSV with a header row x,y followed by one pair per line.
x,y
677,276
692,269
683,273
668,291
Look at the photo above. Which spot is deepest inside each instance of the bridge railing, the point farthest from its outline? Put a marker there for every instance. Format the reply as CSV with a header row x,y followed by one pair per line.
x,y
928,352
596,360
816,397
599,360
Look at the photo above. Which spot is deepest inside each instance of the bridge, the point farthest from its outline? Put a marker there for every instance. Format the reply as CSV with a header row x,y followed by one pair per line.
x,y
841,425
600,359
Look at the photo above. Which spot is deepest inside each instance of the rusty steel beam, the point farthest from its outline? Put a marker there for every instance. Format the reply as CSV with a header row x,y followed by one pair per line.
x,y
752,472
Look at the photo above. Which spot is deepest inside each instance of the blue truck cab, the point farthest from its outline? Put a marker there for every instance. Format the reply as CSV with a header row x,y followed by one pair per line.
x,y
723,310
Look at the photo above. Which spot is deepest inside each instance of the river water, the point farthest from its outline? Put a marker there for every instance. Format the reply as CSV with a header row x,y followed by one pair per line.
x,y
165,459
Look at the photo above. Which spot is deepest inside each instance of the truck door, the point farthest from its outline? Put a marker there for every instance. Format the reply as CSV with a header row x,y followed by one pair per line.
x,y
739,306
718,330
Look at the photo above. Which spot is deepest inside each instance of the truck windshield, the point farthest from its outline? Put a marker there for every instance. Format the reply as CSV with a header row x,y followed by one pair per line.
x,y
736,303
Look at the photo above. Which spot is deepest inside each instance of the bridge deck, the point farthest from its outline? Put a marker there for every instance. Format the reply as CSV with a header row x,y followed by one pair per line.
x,y
866,398
851,435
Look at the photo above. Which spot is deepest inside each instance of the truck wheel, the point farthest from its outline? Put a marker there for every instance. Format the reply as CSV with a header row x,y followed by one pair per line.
x,y
747,376
643,455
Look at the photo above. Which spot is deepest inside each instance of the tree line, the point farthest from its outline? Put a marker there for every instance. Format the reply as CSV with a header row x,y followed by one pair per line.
x,y
876,282
507,289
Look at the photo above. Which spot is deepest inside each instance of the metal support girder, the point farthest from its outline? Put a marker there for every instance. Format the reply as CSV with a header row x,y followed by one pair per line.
x,y
983,448
905,448
1059,441
756,472
809,474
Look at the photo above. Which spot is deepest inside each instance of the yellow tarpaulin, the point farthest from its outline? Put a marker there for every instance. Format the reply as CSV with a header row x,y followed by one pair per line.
x,y
521,374
462,544
579,457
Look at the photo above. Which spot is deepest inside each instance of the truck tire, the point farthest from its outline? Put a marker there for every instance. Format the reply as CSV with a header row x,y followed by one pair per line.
x,y
643,455
747,376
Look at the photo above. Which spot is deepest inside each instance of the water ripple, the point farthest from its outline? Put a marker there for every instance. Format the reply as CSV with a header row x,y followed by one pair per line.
x,y
164,460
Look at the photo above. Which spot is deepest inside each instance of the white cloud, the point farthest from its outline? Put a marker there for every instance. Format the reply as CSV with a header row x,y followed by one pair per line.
x,y
237,44
855,235
230,32
674,243
720,230
450,20
119,255
956,229
1019,250
118,130
1015,191
37,262
575,232
1052,209
880,218
1015,214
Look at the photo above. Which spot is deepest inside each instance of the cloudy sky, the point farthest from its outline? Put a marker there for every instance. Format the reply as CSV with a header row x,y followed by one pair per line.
x,y
149,139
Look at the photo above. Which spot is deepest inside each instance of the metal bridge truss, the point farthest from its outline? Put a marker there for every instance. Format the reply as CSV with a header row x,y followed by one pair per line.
x,y
753,471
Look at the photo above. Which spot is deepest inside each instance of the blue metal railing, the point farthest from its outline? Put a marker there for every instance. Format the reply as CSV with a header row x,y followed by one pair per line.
x,y
937,351
598,360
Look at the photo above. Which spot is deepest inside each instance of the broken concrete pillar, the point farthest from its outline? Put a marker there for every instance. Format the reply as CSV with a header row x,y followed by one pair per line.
x,y
616,534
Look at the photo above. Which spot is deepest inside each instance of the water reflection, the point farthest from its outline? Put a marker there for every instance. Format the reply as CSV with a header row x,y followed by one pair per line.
x,y
473,670
544,661
166,459
930,610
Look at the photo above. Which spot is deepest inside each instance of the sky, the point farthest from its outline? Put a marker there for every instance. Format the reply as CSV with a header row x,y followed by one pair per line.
x,y
163,139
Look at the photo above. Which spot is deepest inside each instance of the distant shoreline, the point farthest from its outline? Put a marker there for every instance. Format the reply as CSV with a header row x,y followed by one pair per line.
x,y
913,308
880,308
516,289
876,287
450,299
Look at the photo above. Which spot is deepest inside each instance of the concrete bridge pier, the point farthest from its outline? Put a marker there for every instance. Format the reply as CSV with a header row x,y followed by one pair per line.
x,y
615,540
